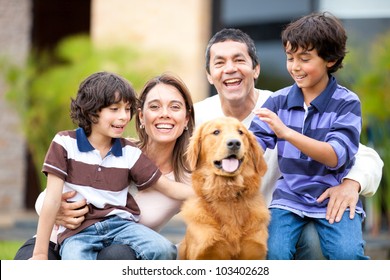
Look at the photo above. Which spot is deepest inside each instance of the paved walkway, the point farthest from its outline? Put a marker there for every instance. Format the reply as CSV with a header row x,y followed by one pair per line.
x,y
17,226
21,226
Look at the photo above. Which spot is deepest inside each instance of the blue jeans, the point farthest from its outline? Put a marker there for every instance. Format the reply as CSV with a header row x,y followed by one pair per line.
x,y
308,246
339,241
146,243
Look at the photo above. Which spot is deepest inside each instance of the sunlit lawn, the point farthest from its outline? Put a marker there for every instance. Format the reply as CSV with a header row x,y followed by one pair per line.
x,y
8,249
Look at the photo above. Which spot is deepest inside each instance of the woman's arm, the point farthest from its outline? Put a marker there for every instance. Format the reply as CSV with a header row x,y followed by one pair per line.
x,y
172,189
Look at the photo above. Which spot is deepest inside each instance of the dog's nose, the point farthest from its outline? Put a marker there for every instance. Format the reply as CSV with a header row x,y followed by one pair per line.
x,y
233,144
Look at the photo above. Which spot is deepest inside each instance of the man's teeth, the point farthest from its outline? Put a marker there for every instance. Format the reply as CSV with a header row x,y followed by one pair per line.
x,y
232,81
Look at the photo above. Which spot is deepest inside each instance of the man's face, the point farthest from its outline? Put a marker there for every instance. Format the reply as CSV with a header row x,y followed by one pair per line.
x,y
231,70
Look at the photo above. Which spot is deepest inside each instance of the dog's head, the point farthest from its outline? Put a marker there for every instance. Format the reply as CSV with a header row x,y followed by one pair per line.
x,y
224,146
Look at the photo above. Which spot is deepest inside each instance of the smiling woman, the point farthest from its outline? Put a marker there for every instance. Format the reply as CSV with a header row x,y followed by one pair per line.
x,y
164,125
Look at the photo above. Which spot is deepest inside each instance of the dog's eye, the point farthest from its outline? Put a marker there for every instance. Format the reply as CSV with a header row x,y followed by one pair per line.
x,y
240,132
216,132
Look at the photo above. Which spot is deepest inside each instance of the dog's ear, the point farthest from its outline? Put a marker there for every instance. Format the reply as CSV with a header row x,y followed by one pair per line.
x,y
257,155
193,149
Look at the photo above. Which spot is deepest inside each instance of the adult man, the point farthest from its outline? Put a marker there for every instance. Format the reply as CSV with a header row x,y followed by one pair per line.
x,y
233,67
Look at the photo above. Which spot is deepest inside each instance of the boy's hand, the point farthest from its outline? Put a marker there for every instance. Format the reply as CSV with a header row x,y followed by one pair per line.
x,y
71,214
273,121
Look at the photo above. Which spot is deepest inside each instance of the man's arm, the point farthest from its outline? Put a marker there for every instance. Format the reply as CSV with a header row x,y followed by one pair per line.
x,y
364,179
367,170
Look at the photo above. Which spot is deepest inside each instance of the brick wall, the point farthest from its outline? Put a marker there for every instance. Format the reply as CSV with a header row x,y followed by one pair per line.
x,y
180,29
15,22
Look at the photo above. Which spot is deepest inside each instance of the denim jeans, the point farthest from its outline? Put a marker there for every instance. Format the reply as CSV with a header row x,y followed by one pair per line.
x,y
308,246
339,241
146,243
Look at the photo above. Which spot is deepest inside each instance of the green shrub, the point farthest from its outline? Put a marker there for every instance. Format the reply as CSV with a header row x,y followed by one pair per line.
x,y
367,72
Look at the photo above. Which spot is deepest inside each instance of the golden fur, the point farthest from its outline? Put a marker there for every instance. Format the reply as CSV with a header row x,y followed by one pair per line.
x,y
228,218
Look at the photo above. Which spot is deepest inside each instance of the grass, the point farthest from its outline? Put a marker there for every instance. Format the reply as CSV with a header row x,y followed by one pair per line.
x,y
8,249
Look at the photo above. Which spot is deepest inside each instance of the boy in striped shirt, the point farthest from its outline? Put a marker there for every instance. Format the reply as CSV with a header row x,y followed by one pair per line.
x,y
96,162
317,125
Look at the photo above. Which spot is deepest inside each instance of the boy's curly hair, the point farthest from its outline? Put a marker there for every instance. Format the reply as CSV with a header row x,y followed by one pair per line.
x,y
99,91
320,31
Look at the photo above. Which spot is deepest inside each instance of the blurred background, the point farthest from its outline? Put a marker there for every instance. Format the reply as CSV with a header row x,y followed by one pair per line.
x,y
47,47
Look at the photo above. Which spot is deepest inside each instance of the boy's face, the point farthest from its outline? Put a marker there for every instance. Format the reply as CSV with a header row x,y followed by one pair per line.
x,y
112,120
231,70
308,70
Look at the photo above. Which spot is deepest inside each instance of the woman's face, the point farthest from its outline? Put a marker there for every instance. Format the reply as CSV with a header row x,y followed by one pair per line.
x,y
164,114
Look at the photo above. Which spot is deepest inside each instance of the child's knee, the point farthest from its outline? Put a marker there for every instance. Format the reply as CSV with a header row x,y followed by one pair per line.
x,y
346,252
279,251
161,251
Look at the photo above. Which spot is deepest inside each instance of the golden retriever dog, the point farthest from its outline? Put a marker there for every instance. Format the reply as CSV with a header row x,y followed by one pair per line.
x,y
228,217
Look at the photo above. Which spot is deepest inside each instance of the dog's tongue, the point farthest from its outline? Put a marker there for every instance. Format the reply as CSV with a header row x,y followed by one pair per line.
x,y
230,165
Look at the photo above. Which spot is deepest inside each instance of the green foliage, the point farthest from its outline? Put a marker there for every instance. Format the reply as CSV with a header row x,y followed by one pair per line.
x,y
368,74
41,90
375,84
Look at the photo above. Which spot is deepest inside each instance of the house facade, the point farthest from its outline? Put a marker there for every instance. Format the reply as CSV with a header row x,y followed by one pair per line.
x,y
180,28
